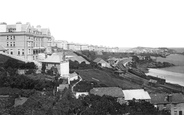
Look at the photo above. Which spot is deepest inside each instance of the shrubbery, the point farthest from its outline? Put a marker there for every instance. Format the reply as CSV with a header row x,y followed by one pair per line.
x,y
18,65
82,65
86,86
23,82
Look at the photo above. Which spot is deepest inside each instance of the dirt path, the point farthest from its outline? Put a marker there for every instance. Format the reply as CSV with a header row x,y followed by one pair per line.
x,y
76,84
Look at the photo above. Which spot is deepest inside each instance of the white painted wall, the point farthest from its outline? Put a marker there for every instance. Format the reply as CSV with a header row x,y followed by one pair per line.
x,y
64,68
176,108
81,94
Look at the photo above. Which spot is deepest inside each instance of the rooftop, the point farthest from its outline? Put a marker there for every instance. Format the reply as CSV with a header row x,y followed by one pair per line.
x,y
136,94
108,91
162,98
54,58
97,60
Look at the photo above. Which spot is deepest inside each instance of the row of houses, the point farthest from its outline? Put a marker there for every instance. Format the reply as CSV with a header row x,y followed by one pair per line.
x,y
77,47
27,41
171,102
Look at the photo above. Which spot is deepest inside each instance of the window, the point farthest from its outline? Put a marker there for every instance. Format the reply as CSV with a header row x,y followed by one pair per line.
x,y
14,44
22,51
175,112
14,37
7,37
18,52
7,44
29,51
11,51
11,44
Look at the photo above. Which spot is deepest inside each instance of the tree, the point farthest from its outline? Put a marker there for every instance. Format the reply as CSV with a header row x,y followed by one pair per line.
x,y
135,59
73,64
43,67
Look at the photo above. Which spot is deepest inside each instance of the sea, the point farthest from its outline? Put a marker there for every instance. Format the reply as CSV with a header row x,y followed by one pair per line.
x,y
173,74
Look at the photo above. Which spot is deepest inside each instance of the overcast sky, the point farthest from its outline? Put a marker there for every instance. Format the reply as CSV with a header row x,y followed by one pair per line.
x,y
121,23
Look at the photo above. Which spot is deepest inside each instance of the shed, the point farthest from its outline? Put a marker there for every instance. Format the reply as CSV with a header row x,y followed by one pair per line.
x,y
102,62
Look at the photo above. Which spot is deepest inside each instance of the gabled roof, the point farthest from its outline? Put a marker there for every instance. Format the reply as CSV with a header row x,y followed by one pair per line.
x,y
98,60
162,98
45,31
108,91
54,58
138,94
25,27
102,61
11,26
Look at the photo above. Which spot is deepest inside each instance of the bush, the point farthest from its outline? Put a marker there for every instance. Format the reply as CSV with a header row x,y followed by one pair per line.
x,y
23,82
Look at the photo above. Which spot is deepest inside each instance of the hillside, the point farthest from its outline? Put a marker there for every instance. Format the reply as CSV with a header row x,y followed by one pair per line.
x,y
178,50
108,78
105,78
151,50
74,57
92,55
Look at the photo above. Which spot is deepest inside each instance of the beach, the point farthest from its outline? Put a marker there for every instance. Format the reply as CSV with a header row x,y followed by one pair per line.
x,y
176,77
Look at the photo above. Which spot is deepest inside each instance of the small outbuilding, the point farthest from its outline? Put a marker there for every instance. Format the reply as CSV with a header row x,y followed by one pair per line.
x,y
137,94
102,62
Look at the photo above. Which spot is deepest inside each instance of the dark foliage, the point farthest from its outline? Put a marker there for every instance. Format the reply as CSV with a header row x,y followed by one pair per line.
x,y
23,82
43,68
84,86
19,65
82,65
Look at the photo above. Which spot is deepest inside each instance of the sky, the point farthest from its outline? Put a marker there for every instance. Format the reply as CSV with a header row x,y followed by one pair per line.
x,y
113,23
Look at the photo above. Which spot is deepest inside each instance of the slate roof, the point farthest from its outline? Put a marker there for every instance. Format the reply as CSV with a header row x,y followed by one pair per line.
x,y
24,27
54,58
45,31
108,91
97,60
162,98
138,94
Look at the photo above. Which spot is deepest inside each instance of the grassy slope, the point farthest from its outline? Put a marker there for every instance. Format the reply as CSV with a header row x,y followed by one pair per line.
x,y
107,78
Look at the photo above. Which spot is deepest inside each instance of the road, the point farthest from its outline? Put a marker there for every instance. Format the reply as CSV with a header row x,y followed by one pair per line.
x,y
80,79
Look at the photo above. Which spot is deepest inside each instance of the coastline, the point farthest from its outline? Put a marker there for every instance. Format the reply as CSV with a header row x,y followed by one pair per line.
x,y
171,77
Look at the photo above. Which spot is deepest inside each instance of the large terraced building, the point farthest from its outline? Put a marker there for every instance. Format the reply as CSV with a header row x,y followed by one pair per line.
x,y
24,40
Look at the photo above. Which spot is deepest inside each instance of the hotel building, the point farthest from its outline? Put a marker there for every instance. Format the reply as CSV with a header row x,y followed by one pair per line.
x,y
24,40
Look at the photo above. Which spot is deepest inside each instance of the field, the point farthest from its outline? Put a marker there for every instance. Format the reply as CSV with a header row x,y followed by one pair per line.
x,y
107,78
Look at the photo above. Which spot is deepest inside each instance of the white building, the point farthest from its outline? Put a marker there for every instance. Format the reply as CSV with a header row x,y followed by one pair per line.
x,y
138,94
56,60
